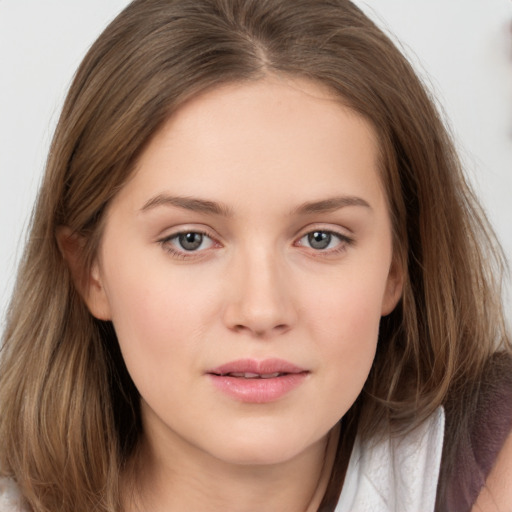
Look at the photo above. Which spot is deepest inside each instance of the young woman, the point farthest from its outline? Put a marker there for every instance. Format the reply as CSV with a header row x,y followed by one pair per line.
x,y
256,280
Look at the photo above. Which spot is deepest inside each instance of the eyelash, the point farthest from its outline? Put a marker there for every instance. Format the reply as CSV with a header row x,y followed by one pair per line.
x,y
343,243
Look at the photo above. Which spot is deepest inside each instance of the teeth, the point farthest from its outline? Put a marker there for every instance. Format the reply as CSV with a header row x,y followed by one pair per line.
x,y
248,375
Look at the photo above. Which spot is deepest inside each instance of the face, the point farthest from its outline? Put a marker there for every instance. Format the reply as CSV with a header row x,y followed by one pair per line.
x,y
246,266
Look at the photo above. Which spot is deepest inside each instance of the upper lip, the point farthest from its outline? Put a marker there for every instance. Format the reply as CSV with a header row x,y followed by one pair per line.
x,y
253,366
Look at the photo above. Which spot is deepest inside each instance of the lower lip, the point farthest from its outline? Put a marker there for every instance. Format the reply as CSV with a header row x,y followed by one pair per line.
x,y
258,391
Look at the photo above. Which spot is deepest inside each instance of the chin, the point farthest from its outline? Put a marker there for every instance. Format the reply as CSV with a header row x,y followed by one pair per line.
x,y
264,450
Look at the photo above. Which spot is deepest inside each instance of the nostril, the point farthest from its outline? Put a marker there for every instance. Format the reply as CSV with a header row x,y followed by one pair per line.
x,y
265,332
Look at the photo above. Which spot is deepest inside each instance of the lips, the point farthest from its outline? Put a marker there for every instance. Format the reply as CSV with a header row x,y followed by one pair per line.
x,y
253,381
248,375
244,367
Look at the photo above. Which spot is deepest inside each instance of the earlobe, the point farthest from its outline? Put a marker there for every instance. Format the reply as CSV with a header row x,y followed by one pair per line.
x,y
88,282
394,287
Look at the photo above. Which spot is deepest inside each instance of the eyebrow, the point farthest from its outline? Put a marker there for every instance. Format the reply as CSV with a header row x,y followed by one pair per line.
x,y
330,205
188,203
213,208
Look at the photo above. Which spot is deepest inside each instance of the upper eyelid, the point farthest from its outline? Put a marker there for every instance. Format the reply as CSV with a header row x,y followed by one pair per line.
x,y
340,231
172,232
175,234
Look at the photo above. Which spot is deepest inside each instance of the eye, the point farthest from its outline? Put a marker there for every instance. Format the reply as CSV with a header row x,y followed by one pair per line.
x,y
187,242
323,240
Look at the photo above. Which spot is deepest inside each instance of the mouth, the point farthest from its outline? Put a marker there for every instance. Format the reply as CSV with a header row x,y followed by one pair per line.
x,y
252,368
248,375
252,381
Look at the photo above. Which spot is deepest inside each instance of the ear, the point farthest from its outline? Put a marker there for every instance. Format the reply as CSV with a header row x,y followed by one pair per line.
x,y
88,282
394,287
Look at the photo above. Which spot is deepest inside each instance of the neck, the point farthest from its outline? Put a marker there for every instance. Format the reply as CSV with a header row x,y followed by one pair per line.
x,y
178,480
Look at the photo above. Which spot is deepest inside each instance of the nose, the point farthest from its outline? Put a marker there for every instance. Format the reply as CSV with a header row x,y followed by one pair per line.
x,y
260,303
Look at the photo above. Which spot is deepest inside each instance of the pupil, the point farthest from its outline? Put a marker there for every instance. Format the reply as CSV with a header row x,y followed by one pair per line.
x,y
190,241
319,239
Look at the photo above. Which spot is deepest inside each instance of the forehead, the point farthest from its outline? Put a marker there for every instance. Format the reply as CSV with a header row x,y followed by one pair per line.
x,y
290,109
294,135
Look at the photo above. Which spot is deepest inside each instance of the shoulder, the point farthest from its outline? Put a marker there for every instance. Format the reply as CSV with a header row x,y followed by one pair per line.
x,y
496,494
477,458
10,498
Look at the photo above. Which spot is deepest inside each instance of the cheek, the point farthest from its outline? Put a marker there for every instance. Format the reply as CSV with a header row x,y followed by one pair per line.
x,y
159,318
344,322
159,329
350,325
348,305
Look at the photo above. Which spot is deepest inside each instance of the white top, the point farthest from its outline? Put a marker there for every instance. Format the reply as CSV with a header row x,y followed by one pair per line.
x,y
394,475
9,496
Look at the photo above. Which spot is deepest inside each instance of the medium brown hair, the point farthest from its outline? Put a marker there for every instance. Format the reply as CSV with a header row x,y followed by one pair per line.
x,y
70,418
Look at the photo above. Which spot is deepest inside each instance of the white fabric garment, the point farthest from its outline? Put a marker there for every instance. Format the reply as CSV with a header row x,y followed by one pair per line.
x,y
9,496
395,475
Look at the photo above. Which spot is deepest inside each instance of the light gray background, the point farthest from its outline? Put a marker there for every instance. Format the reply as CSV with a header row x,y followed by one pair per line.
x,y
463,48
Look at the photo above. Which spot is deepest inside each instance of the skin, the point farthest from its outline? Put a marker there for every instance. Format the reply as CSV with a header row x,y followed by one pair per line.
x,y
255,288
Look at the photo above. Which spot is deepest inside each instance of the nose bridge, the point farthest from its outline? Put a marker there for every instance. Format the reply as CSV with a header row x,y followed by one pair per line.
x,y
260,302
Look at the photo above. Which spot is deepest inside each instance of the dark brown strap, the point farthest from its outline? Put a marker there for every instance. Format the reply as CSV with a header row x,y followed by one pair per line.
x,y
473,441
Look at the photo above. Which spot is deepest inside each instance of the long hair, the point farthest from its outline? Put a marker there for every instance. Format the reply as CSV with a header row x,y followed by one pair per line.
x,y
70,418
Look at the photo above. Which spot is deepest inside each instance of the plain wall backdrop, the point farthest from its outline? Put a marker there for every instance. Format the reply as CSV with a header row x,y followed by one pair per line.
x,y
462,48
